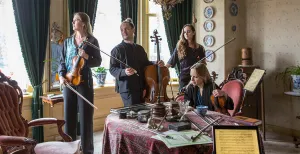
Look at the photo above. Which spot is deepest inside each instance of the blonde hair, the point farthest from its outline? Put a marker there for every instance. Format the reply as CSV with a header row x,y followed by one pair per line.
x,y
182,44
202,71
86,20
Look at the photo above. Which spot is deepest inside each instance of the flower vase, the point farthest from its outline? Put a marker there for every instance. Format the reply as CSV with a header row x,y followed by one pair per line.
x,y
100,79
296,83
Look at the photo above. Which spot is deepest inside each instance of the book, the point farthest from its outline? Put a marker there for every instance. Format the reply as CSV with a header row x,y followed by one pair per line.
x,y
247,121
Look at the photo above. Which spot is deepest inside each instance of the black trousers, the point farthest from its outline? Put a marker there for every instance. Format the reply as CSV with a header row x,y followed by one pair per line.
x,y
131,98
86,112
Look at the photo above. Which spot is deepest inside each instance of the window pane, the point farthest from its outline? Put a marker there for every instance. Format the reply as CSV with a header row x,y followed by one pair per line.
x,y
107,30
153,8
11,59
158,23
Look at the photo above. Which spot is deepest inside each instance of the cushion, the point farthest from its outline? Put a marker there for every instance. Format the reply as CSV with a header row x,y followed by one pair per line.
x,y
58,147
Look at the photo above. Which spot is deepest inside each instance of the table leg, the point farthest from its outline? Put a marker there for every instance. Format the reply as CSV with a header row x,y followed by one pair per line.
x,y
296,141
263,111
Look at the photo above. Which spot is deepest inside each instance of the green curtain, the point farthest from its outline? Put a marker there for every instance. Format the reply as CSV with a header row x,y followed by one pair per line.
x,y
181,15
87,6
129,9
32,21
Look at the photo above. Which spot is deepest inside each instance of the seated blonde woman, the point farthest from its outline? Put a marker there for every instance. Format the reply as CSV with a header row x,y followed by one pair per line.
x,y
200,89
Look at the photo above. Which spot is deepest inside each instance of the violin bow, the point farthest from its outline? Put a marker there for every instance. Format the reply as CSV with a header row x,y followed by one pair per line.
x,y
214,51
70,87
92,45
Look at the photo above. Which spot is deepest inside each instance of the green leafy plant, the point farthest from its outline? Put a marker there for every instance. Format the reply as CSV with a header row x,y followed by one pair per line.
x,y
292,70
99,70
285,76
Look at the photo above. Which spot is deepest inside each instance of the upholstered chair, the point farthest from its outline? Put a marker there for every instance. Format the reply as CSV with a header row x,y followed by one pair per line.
x,y
179,97
233,85
234,89
14,128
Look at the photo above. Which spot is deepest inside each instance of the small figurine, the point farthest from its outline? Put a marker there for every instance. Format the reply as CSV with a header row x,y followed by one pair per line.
x,y
151,124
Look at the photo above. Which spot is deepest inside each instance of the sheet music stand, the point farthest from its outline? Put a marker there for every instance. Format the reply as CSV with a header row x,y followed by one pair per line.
x,y
255,80
228,138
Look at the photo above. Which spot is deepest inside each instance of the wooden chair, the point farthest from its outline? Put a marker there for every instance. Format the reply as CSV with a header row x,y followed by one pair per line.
x,y
14,128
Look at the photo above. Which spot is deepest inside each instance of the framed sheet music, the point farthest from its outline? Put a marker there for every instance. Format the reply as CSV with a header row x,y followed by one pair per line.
x,y
236,140
254,79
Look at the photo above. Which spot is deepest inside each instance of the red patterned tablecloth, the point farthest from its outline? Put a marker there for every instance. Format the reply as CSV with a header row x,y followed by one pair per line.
x,y
121,138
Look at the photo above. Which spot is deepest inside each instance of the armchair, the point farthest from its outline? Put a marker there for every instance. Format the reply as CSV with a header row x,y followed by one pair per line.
x,y
233,86
14,128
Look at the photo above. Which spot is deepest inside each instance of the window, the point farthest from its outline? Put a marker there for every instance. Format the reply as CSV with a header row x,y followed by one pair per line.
x,y
11,59
107,30
155,18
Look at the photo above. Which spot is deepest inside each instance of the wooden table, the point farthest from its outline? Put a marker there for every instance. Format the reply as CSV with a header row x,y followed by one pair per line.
x,y
294,94
52,101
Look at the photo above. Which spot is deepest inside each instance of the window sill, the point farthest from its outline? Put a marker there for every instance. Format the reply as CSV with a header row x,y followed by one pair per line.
x,y
106,86
27,96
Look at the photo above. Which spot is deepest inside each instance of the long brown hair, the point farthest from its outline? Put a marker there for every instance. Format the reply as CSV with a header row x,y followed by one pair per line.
x,y
182,44
202,71
86,20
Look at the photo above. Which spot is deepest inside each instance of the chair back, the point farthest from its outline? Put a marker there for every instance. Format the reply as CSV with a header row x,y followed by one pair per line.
x,y
11,100
179,97
234,89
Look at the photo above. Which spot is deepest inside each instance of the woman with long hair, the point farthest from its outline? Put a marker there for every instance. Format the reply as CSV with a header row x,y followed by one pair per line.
x,y
200,89
74,46
187,53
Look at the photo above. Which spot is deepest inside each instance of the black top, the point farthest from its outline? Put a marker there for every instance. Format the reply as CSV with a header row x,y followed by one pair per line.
x,y
135,56
70,50
193,56
192,91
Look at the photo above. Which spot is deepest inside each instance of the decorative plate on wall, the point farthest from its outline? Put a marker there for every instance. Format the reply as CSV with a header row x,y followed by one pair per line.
x,y
234,9
209,12
208,1
209,25
209,40
211,57
233,28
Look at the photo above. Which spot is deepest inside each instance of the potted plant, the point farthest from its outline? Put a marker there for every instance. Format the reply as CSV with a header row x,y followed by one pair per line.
x,y
100,74
292,72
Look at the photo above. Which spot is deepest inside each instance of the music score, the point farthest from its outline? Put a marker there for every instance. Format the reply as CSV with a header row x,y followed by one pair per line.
x,y
230,141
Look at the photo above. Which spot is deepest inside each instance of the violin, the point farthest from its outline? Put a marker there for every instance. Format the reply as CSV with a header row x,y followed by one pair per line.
x,y
157,78
218,102
74,76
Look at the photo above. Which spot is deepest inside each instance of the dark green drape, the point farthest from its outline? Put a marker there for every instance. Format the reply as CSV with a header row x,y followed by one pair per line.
x,y
181,15
32,20
87,6
129,9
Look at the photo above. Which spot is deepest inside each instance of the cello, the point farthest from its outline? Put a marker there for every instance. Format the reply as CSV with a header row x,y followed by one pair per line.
x,y
157,78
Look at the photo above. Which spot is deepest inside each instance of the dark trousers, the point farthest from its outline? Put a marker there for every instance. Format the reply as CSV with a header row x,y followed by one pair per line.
x,y
86,112
132,98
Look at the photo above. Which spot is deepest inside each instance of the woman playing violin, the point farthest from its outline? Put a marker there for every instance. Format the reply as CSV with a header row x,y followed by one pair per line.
x,y
187,53
200,89
75,48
